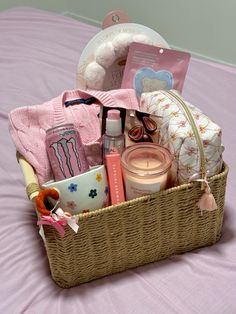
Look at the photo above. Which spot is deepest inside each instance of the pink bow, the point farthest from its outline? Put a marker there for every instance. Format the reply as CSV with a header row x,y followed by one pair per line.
x,y
57,224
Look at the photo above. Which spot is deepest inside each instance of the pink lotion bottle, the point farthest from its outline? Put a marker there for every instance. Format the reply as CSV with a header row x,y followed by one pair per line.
x,y
113,139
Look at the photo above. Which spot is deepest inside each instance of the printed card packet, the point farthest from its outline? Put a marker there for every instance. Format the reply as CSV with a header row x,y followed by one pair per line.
x,y
150,68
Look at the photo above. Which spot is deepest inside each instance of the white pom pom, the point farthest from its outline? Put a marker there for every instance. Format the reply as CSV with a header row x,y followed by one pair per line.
x,y
143,39
121,44
94,75
105,55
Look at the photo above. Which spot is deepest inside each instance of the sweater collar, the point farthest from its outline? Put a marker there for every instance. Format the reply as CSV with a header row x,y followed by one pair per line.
x,y
59,102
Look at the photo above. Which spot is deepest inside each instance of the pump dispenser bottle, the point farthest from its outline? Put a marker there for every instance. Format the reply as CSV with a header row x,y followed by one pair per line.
x,y
113,139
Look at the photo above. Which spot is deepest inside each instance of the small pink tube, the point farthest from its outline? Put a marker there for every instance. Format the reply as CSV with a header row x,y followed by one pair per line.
x,y
115,180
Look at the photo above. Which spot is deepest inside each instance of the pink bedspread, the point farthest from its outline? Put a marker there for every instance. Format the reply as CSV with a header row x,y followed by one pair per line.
x,y
39,52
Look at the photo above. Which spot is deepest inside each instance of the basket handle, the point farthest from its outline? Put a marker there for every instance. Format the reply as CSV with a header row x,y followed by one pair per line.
x,y
31,181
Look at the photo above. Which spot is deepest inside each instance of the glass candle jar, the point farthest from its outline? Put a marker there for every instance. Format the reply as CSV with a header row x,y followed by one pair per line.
x,y
145,169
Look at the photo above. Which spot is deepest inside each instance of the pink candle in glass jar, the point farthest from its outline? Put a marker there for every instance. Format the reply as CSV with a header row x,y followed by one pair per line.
x,y
145,169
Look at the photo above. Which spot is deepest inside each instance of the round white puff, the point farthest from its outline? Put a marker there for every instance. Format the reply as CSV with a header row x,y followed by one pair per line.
x,y
143,39
105,55
94,75
121,44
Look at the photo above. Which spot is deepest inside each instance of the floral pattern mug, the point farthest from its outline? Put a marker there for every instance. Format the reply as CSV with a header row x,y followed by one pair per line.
x,y
84,192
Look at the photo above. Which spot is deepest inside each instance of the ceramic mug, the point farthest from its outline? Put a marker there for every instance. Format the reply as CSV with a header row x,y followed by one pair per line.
x,y
84,192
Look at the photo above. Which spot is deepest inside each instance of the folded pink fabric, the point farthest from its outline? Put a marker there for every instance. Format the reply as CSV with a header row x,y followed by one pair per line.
x,y
28,124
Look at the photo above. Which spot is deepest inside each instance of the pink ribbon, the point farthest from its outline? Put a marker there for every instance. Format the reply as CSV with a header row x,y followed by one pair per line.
x,y
57,224
70,220
59,220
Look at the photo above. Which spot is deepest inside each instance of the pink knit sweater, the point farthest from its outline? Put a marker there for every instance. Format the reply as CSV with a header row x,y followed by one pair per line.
x,y
28,124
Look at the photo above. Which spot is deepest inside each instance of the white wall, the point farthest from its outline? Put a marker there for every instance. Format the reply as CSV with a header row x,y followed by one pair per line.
x,y
204,27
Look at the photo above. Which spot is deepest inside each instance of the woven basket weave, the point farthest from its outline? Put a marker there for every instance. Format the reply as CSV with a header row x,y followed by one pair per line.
x,y
135,233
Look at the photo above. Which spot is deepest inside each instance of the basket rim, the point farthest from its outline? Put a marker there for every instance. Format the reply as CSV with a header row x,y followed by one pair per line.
x,y
82,216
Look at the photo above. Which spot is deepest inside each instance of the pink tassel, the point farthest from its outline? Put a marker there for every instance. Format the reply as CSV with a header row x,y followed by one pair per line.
x,y
207,201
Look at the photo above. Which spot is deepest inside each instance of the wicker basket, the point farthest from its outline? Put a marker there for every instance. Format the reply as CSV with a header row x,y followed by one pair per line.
x,y
135,233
